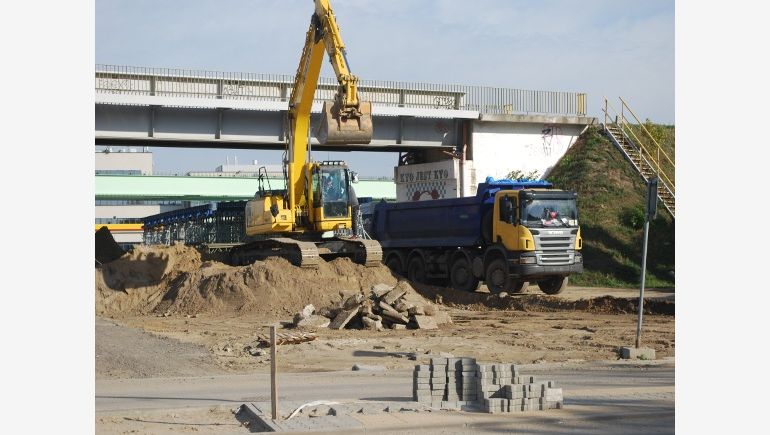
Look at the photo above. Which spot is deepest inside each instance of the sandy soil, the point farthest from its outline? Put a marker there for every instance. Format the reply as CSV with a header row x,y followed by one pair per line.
x,y
202,316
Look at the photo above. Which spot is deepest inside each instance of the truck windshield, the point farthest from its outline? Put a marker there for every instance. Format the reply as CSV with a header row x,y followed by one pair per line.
x,y
549,213
334,191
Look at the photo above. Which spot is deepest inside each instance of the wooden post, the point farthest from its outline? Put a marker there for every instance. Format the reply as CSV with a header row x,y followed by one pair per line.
x,y
273,372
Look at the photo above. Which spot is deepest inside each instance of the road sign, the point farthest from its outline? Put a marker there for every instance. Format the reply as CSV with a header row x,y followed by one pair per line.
x,y
652,198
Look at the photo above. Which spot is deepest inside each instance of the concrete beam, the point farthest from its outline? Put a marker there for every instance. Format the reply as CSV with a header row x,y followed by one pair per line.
x,y
218,127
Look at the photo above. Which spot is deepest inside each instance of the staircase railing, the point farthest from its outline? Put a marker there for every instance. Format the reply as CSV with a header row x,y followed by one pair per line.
x,y
654,156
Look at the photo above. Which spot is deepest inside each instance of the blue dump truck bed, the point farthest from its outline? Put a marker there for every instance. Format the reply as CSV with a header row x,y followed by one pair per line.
x,y
442,222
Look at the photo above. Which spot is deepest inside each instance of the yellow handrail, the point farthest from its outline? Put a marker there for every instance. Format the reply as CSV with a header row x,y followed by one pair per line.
x,y
644,150
648,133
626,126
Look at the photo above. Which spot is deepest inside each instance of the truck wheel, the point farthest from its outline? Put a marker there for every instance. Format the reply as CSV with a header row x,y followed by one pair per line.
x,y
416,269
497,277
518,286
553,285
394,264
461,276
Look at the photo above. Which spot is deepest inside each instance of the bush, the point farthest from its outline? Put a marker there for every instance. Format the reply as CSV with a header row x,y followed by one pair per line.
x,y
519,175
633,217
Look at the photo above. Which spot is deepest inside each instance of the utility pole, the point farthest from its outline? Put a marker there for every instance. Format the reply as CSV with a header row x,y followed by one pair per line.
x,y
652,207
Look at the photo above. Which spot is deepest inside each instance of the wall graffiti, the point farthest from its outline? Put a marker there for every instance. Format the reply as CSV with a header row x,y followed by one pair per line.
x,y
549,133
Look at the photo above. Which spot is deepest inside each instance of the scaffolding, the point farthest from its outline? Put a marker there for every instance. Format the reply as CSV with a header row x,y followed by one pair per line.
x,y
217,222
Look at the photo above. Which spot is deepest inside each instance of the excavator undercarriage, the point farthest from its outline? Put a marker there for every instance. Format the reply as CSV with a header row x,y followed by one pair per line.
x,y
308,254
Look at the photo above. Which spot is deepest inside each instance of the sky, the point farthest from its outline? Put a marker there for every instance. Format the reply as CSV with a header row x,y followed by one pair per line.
x,y
612,48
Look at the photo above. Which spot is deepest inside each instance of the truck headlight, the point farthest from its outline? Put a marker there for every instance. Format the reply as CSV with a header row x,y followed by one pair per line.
x,y
578,258
528,260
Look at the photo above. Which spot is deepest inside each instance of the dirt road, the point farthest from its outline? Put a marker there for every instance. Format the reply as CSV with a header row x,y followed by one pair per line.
x,y
547,335
172,337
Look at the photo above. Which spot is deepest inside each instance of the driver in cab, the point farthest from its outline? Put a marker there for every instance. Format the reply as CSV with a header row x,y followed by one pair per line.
x,y
331,190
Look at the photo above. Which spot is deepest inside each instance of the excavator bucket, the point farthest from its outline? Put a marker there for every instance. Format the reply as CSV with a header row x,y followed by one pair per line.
x,y
340,129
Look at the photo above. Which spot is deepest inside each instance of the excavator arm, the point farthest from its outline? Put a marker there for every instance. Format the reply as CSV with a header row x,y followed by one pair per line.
x,y
347,94
345,120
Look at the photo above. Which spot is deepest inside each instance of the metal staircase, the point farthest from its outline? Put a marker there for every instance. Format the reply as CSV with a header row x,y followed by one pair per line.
x,y
646,156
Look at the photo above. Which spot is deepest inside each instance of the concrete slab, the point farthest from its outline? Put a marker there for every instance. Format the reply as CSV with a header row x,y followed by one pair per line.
x,y
629,352
425,322
343,318
392,295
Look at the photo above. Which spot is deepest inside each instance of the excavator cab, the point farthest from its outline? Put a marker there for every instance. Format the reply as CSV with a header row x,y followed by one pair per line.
x,y
331,208
335,192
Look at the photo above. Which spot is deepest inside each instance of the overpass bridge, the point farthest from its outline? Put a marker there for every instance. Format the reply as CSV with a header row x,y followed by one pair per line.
x,y
205,109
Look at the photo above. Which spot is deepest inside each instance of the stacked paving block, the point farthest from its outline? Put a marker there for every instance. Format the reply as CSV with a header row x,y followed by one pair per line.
x,y
502,388
461,383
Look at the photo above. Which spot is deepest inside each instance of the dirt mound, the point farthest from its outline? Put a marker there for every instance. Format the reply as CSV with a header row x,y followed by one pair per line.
x,y
541,303
175,280
135,282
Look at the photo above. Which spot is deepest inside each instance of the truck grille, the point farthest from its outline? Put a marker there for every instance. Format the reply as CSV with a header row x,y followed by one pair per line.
x,y
555,247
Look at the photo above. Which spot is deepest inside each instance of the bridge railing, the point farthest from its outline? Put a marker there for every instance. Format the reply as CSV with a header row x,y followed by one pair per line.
x,y
274,87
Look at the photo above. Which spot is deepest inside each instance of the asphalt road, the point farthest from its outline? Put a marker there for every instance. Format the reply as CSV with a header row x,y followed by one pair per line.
x,y
600,397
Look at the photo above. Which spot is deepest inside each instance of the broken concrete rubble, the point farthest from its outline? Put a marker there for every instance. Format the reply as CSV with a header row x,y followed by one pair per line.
x,y
425,322
313,321
343,318
382,307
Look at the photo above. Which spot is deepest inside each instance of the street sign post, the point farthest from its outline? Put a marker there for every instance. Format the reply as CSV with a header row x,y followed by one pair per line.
x,y
651,212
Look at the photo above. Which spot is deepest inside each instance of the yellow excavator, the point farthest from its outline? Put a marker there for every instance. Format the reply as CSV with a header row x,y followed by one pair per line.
x,y
312,217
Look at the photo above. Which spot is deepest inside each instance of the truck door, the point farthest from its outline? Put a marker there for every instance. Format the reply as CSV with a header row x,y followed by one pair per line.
x,y
504,226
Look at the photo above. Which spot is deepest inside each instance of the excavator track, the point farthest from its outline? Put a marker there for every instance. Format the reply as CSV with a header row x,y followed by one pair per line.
x,y
361,251
307,253
298,253
372,252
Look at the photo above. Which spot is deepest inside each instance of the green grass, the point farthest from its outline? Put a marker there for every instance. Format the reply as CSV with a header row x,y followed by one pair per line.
x,y
611,198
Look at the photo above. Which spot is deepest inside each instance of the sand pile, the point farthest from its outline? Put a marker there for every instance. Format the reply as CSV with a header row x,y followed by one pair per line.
x,y
174,280
135,282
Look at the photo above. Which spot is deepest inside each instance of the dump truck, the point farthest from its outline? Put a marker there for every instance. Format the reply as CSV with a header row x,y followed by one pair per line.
x,y
508,235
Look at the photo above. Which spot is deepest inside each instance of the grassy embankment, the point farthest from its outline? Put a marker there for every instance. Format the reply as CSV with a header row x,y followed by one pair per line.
x,y
611,203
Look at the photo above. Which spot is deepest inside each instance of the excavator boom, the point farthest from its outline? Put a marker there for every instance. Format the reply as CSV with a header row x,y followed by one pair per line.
x,y
346,119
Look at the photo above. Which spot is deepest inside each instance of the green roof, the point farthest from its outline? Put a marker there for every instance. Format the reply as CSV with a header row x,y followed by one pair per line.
x,y
209,188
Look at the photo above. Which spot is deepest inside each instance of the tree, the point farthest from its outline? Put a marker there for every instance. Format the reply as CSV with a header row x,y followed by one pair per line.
x,y
519,175
657,131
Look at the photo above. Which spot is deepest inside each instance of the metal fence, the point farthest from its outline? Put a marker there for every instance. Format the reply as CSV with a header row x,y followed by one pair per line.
x,y
275,87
